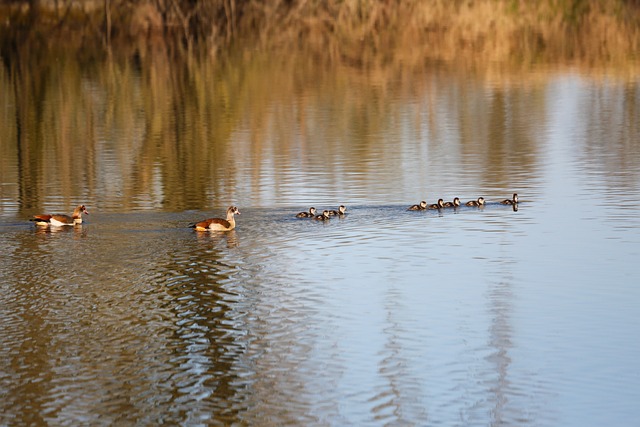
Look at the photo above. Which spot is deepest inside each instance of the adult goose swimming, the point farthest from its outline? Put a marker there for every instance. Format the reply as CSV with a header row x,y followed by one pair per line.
x,y
218,224
59,220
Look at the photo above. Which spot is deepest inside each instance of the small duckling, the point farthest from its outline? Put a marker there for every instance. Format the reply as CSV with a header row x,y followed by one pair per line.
x,y
324,217
341,210
310,214
479,202
420,207
438,205
454,204
513,201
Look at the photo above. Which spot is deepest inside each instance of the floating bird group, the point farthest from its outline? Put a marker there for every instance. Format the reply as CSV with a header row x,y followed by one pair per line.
x,y
228,224
479,202
325,215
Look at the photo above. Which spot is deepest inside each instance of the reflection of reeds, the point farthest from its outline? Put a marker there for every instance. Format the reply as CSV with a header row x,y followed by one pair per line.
x,y
352,31
194,134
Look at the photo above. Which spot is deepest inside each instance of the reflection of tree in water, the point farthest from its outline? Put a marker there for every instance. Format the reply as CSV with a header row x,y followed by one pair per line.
x,y
206,335
510,405
194,134
500,128
609,138
399,402
500,341
28,340
191,136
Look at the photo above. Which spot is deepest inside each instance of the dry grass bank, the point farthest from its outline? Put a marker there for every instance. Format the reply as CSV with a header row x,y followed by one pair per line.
x,y
355,32
486,30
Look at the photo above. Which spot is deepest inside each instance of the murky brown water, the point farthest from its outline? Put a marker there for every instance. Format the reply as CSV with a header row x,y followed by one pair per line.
x,y
384,317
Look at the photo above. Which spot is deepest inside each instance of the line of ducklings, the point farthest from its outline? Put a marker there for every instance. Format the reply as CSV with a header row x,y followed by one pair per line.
x,y
325,215
441,204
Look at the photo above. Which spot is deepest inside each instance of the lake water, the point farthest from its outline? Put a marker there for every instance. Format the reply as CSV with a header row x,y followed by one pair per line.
x,y
465,317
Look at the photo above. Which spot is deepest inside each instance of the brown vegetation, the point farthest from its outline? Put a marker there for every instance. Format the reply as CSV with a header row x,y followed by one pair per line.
x,y
348,31
190,133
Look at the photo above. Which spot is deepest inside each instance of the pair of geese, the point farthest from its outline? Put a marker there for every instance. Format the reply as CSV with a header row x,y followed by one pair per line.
x,y
60,220
219,224
456,202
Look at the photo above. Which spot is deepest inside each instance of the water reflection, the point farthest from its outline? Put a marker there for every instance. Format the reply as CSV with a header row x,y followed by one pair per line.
x,y
181,141
500,299
610,147
474,315
401,401
205,334
229,237
196,135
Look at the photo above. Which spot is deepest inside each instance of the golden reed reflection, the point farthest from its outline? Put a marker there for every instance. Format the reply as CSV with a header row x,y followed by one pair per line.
x,y
150,133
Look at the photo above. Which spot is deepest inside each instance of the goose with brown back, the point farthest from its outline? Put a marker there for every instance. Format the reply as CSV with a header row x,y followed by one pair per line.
x,y
219,224
59,220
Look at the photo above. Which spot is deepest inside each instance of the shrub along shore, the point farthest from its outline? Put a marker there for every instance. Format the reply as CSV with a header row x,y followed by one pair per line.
x,y
353,32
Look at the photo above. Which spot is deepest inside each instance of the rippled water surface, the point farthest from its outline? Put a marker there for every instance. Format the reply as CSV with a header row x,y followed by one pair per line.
x,y
468,316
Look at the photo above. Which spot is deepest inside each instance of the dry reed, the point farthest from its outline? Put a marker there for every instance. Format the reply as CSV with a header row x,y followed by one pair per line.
x,y
355,32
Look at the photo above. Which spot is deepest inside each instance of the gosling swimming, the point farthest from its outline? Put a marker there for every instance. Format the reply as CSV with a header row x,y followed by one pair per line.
x,y
419,207
310,214
341,210
454,204
438,205
324,217
479,202
513,201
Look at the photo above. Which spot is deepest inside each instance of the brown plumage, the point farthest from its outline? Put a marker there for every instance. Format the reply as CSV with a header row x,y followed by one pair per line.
x,y
218,224
478,203
438,205
58,220
324,217
341,211
454,204
420,207
310,214
513,201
